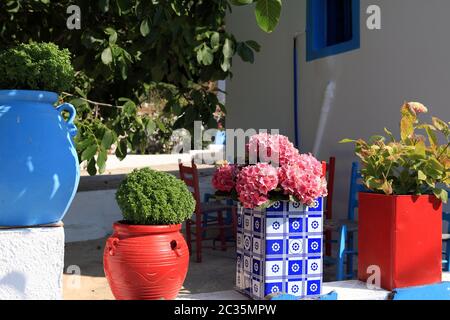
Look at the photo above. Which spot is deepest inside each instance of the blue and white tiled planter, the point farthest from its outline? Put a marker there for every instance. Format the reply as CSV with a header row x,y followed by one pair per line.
x,y
280,250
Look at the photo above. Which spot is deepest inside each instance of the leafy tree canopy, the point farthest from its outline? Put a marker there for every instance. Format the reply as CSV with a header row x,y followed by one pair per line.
x,y
126,49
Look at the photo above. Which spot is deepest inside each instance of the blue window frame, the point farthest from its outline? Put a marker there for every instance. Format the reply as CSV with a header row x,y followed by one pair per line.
x,y
333,27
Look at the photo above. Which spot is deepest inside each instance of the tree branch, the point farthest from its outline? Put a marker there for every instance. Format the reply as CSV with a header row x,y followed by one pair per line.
x,y
93,102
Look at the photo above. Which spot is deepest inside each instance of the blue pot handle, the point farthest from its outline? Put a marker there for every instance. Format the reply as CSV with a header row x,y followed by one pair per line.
x,y
72,114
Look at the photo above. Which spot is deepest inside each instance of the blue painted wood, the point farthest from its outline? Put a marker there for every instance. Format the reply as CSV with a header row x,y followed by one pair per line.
x,y
282,297
287,297
346,250
331,296
296,104
445,262
317,16
207,218
341,253
439,291
355,187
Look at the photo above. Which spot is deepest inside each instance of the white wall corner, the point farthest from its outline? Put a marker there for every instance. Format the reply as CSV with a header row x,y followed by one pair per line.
x,y
31,263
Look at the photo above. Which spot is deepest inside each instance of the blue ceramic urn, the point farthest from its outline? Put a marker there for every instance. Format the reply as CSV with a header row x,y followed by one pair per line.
x,y
39,169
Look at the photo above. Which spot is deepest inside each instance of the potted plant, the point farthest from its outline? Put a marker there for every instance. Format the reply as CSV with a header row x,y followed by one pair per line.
x,y
400,222
279,232
147,257
39,171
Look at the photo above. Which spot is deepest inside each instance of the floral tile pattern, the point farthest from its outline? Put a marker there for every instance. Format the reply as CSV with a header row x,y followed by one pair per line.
x,y
280,250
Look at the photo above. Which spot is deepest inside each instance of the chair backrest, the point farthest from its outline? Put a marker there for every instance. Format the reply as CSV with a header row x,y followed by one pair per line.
x,y
446,217
356,186
329,170
190,177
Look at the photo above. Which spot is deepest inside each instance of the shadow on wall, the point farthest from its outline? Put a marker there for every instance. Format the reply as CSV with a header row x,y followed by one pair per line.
x,y
15,281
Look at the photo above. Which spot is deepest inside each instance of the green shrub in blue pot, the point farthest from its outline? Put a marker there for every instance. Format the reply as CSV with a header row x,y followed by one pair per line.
x,y
39,168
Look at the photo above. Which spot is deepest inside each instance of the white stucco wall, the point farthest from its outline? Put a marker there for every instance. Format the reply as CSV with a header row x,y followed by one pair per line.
x,y
31,264
93,213
260,95
406,60
143,161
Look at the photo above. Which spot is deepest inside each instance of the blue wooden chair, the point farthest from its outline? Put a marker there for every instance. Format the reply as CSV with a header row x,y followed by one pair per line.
x,y
208,197
356,186
190,176
346,230
219,140
446,240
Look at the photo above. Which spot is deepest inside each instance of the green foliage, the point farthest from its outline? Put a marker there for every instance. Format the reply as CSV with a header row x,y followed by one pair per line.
x,y
125,50
267,12
162,140
36,66
415,165
148,197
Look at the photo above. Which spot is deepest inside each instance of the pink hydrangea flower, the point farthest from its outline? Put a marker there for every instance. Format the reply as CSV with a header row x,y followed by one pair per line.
x,y
299,175
273,146
224,178
303,179
254,184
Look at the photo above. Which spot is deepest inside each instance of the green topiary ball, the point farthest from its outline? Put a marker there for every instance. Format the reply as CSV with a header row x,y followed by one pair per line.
x,y
36,66
148,197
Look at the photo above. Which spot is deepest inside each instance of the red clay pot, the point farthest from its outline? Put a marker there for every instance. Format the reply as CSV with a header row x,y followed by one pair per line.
x,y
146,262
402,235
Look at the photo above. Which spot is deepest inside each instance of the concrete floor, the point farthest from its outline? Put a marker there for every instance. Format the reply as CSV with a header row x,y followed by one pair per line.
x,y
215,273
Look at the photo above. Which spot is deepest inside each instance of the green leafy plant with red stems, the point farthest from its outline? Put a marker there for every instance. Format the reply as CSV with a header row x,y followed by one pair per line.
x,y
414,165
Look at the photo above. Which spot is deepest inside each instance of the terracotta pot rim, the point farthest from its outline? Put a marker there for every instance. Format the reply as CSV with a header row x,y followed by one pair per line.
x,y
122,226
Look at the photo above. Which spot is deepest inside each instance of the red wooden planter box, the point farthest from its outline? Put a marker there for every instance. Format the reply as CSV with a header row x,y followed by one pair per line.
x,y
403,236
